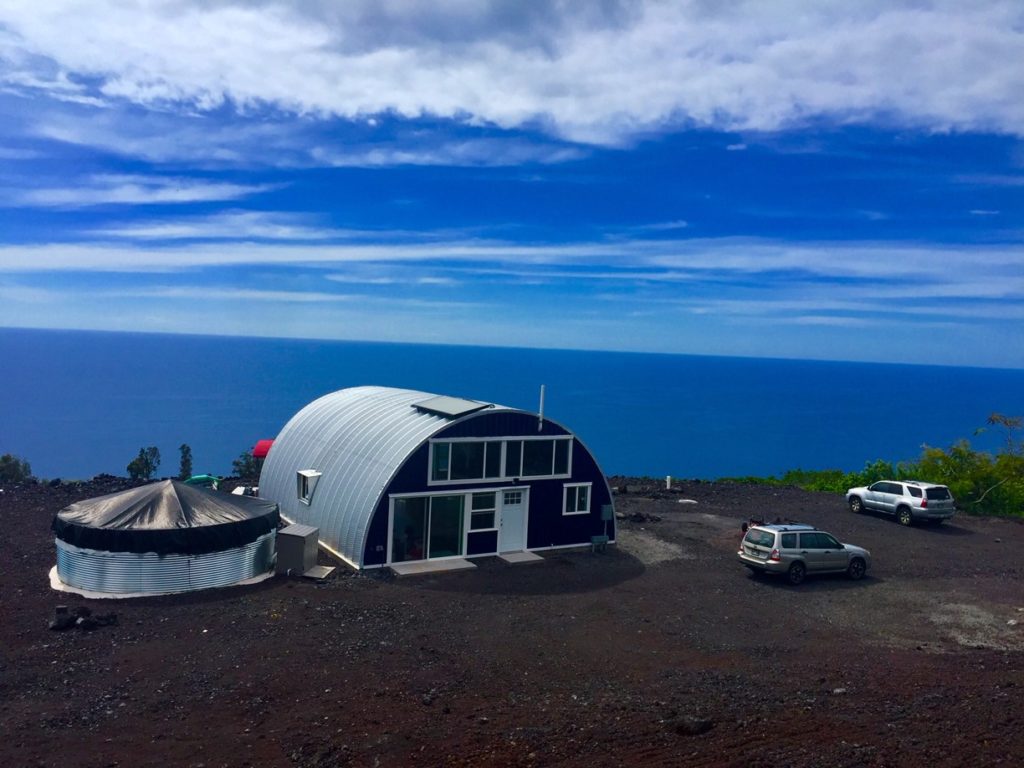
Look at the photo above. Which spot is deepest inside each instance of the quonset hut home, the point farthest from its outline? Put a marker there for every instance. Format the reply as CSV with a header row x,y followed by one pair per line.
x,y
394,475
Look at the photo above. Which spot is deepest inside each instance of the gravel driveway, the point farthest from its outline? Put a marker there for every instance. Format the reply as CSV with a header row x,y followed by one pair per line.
x,y
661,651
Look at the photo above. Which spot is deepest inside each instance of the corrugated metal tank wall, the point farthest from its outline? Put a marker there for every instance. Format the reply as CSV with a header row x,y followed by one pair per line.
x,y
148,572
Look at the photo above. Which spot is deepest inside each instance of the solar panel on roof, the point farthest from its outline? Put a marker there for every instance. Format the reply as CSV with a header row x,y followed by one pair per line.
x,y
450,407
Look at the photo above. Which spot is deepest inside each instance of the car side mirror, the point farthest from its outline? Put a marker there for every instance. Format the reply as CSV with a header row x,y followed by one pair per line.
x,y
842,546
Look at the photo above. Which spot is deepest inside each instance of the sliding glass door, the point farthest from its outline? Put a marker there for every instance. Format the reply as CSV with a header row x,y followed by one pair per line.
x,y
446,521
423,527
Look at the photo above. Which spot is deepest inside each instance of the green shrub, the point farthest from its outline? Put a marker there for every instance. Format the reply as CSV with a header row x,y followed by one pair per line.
x,y
981,482
246,465
14,469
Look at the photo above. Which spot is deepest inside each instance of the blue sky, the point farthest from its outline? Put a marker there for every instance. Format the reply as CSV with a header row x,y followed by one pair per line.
x,y
785,179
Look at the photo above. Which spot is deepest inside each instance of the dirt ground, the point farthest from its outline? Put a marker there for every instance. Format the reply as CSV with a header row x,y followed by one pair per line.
x,y
661,651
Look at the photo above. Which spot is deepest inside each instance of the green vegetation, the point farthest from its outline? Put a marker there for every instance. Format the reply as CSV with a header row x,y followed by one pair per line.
x,y
185,468
144,466
14,469
246,466
981,482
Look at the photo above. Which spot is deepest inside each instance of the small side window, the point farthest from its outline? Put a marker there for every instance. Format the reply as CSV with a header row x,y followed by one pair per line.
x,y
305,482
576,499
914,491
789,541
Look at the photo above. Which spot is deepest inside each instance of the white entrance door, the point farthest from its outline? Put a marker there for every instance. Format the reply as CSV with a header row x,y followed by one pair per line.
x,y
512,532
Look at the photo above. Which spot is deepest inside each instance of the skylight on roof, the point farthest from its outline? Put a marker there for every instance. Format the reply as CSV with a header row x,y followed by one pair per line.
x,y
450,407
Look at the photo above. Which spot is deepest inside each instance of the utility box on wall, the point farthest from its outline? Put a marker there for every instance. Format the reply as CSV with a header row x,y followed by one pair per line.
x,y
296,549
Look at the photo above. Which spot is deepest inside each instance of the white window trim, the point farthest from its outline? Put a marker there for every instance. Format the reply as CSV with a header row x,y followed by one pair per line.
x,y
565,498
506,477
493,510
311,477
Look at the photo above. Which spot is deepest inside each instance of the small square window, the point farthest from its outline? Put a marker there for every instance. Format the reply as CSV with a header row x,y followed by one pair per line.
x,y
577,499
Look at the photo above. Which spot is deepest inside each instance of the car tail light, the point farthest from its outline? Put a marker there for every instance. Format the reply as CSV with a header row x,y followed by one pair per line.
x,y
924,503
775,556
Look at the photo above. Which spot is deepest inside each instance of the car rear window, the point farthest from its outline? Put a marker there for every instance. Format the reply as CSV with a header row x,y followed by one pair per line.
x,y
938,494
759,538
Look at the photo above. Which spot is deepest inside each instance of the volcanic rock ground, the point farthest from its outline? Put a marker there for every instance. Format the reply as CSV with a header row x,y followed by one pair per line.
x,y
661,651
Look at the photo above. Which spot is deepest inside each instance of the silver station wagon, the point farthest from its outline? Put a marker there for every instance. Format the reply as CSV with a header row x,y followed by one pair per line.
x,y
909,500
798,550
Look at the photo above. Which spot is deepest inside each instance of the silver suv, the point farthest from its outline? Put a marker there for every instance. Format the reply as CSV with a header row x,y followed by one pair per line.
x,y
909,500
797,550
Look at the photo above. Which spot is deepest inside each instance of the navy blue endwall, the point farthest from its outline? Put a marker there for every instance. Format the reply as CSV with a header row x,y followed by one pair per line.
x,y
546,525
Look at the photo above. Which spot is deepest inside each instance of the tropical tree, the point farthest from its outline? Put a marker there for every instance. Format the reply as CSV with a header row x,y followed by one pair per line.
x,y
246,465
144,466
185,468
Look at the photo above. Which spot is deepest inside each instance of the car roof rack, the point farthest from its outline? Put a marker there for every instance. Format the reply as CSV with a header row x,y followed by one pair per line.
x,y
779,521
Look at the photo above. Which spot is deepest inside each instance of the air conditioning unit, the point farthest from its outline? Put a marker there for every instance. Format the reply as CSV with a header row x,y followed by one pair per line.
x,y
297,549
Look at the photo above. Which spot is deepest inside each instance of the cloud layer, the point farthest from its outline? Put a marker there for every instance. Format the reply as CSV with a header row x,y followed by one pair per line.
x,y
600,73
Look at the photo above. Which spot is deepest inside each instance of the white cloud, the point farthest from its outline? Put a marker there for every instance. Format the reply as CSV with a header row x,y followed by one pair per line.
x,y
234,294
717,277
473,152
230,225
588,72
116,189
12,153
192,293
664,226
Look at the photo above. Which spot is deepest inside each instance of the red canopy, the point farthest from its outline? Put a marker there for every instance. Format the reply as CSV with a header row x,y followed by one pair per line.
x,y
261,449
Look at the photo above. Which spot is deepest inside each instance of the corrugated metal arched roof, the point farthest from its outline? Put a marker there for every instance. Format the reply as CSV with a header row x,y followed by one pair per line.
x,y
357,438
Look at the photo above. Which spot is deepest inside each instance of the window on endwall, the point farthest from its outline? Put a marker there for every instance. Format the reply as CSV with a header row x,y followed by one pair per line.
x,y
577,499
482,512
439,464
492,459
513,458
305,482
562,457
465,460
537,458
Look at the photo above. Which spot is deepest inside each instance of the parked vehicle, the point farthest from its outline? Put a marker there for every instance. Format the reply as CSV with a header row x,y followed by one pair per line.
x,y
797,550
909,500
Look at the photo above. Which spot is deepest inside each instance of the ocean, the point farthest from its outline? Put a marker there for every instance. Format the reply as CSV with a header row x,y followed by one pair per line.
x,y
79,403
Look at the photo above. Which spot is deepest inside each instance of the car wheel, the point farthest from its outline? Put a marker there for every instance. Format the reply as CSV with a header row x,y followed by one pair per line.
x,y
856,505
904,516
856,569
796,574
